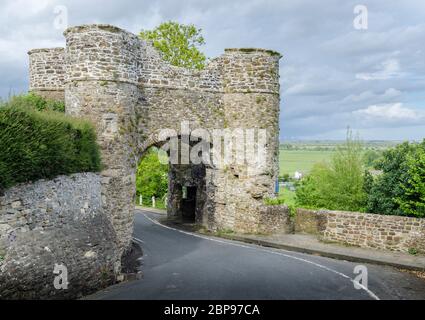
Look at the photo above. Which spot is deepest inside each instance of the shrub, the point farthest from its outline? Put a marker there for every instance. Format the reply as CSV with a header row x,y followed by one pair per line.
x,y
338,185
36,145
274,201
389,185
33,101
413,251
412,201
286,177
371,158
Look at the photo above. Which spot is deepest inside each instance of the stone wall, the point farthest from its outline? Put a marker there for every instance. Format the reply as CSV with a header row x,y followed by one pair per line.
x,y
275,219
47,73
60,221
309,221
364,230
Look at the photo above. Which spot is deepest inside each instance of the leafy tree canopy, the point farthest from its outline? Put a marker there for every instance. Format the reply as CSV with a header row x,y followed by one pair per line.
x,y
412,201
179,44
152,176
389,186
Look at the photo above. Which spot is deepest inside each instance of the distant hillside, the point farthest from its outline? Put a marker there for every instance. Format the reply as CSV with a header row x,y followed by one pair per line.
x,y
330,145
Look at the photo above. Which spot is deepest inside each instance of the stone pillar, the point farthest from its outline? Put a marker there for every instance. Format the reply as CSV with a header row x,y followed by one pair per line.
x,y
47,73
251,101
102,77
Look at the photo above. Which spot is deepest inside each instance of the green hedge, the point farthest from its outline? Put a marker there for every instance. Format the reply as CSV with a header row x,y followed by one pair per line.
x,y
36,145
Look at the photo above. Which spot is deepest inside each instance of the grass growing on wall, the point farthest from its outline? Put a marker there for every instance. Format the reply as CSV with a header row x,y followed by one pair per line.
x,y
43,144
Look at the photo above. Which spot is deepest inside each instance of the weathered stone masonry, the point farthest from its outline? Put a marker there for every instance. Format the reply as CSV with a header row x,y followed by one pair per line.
x,y
363,229
56,222
47,73
129,92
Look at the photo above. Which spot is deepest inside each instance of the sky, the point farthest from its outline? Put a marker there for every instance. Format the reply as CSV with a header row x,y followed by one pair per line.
x,y
334,72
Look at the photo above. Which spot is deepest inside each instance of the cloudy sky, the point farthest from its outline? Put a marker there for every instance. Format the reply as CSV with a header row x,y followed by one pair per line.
x,y
333,75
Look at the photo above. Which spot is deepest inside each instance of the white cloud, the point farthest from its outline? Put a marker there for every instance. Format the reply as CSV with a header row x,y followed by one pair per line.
x,y
392,113
369,95
386,70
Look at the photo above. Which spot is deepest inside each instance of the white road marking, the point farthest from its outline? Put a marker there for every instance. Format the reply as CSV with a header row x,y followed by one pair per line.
x,y
369,292
138,240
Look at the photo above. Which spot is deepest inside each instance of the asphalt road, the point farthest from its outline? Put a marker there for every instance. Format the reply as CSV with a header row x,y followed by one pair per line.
x,y
178,265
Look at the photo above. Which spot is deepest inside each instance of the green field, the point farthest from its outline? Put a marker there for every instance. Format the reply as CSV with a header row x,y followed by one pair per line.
x,y
301,160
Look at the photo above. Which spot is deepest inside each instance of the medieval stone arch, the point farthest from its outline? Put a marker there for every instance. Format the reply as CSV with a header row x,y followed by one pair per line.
x,y
123,85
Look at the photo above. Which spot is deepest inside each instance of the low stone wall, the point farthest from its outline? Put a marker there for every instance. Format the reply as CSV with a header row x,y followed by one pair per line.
x,y
307,221
364,230
275,219
60,221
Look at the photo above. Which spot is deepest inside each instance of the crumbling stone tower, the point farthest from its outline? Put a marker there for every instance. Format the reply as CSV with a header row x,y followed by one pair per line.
x,y
130,93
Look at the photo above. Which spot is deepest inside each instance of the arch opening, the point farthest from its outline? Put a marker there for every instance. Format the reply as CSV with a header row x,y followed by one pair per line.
x,y
180,189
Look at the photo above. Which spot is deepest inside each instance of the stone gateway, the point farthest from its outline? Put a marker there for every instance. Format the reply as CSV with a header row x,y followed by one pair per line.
x,y
122,84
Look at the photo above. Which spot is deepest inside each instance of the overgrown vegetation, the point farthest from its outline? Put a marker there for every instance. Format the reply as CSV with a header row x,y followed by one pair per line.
x,y
179,44
337,185
396,185
400,189
274,201
412,201
38,142
33,101
413,251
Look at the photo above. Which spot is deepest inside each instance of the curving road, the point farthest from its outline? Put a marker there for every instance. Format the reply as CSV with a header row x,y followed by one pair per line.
x,y
178,265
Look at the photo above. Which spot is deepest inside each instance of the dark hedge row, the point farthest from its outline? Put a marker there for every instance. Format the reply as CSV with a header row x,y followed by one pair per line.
x,y
36,145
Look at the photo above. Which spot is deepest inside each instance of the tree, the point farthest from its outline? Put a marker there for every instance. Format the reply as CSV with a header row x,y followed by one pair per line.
x,y
412,201
371,157
178,43
368,182
152,176
338,185
389,185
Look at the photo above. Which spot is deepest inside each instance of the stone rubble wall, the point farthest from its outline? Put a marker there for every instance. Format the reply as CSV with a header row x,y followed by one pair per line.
x,y
275,219
60,221
157,73
47,73
365,230
309,221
